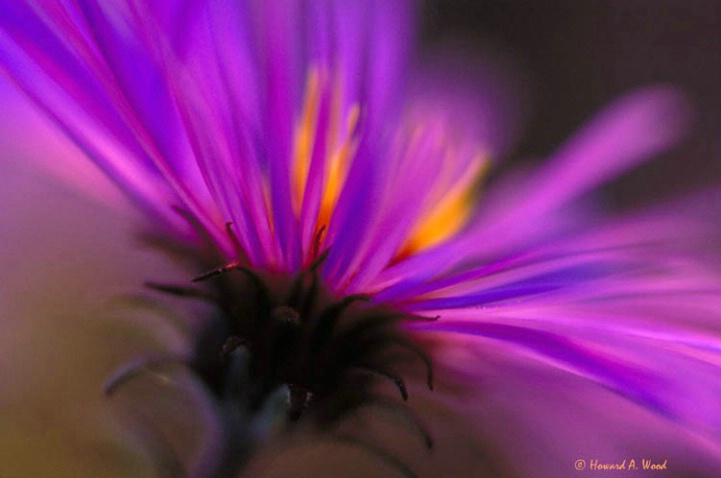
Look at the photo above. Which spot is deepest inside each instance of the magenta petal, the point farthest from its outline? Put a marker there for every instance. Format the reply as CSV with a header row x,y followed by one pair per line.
x,y
663,379
560,349
630,131
50,53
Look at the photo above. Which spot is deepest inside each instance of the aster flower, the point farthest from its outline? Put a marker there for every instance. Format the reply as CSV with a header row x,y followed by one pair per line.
x,y
340,216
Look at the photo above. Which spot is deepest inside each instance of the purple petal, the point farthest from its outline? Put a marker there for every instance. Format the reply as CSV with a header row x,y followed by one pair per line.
x,y
631,130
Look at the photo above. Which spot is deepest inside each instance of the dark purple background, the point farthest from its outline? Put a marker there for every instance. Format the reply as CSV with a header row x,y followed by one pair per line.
x,y
579,54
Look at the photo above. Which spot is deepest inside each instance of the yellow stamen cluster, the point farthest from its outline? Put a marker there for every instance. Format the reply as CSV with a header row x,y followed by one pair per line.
x,y
444,217
340,143
448,204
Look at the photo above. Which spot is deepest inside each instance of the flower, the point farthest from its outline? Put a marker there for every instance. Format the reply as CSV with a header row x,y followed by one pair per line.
x,y
345,212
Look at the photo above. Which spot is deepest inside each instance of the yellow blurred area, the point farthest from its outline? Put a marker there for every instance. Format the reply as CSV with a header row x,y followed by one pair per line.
x,y
63,257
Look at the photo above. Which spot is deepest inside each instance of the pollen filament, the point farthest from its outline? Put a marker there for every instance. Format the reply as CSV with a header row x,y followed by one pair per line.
x,y
323,95
305,132
450,212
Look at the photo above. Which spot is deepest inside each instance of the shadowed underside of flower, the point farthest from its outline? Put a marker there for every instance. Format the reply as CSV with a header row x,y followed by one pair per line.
x,y
341,204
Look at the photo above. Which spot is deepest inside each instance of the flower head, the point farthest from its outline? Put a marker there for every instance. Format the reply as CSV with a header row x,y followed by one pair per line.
x,y
344,209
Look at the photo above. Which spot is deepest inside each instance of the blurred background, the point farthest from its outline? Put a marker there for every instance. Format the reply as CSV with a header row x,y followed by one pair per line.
x,y
65,256
577,55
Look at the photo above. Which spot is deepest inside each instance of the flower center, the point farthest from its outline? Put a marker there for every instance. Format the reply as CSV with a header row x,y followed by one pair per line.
x,y
328,351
